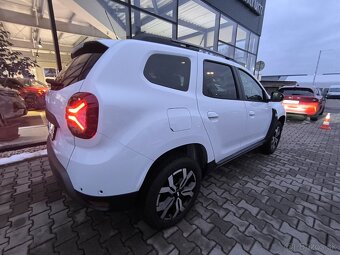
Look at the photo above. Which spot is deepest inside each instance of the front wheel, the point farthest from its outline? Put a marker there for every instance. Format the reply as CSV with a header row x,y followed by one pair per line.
x,y
172,193
270,146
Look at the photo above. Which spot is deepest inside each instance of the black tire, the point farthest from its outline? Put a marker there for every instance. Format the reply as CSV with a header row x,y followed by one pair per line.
x,y
314,118
323,109
170,177
270,146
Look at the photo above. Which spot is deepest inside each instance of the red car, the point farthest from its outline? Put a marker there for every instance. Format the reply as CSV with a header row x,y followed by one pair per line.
x,y
303,101
32,91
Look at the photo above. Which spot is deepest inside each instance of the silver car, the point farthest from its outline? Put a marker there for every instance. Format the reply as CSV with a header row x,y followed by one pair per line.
x,y
334,92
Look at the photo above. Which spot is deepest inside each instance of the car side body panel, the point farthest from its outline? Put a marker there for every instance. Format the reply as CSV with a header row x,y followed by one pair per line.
x,y
138,121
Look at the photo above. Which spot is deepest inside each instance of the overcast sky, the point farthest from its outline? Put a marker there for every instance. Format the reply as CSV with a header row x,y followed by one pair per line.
x,y
294,31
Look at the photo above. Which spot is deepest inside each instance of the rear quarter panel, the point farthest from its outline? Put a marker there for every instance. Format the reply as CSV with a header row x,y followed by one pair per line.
x,y
56,102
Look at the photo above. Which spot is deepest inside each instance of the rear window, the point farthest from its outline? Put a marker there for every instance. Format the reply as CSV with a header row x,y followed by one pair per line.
x,y
77,69
168,71
334,90
297,91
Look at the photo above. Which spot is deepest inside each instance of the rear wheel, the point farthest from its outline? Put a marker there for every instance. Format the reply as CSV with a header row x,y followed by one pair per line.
x,y
323,109
314,118
172,193
270,146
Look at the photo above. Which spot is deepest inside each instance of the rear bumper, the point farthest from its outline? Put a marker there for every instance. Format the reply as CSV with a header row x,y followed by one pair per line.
x,y
302,109
119,202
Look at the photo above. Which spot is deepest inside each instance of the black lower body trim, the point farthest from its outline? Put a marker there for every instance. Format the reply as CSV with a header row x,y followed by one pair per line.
x,y
240,153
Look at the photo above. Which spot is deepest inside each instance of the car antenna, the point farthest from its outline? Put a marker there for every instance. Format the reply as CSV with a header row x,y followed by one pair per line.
x,y
111,25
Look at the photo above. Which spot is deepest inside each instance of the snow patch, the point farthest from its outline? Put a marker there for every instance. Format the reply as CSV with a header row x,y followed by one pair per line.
x,y
22,156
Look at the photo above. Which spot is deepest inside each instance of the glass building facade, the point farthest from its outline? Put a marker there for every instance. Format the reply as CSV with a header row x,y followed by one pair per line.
x,y
193,21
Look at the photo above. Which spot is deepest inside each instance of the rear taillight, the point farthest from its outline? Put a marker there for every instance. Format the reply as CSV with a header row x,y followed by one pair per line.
x,y
82,115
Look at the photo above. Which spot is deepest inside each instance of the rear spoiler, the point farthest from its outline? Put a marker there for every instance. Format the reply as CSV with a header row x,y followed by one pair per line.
x,y
88,47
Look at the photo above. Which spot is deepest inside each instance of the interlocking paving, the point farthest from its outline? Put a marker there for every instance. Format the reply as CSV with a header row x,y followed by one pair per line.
x,y
285,203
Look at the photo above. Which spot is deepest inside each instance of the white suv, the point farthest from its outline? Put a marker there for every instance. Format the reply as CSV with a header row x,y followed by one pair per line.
x,y
139,122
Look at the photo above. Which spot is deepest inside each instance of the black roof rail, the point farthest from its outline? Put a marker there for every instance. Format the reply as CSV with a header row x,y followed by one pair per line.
x,y
176,43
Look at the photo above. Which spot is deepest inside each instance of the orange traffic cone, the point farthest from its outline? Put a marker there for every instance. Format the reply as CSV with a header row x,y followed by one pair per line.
x,y
327,120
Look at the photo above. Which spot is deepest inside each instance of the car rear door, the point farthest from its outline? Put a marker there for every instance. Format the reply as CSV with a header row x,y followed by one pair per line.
x,y
259,112
222,111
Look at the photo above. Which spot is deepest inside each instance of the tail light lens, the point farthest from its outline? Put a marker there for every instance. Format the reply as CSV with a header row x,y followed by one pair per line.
x,y
82,115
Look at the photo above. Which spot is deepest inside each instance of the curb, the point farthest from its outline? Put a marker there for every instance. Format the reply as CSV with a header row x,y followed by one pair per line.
x,y
22,157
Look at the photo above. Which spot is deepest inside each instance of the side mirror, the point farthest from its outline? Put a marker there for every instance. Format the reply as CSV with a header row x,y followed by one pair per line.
x,y
276,96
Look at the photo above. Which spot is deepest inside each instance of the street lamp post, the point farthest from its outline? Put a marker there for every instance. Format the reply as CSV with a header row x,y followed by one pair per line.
x,y
316,68
54,34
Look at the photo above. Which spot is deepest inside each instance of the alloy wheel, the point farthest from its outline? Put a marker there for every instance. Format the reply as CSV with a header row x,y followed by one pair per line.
x,y
176,194
276,138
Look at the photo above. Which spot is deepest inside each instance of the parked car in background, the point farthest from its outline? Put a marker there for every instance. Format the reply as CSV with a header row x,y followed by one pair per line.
x,y
32,91
303,101
334,92
12,106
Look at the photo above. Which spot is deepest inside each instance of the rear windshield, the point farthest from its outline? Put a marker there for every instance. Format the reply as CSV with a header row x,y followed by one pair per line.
x,y
77,69
297,91
334,90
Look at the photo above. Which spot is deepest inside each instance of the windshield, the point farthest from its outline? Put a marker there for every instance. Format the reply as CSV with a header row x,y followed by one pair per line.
x,y
334,90
297,91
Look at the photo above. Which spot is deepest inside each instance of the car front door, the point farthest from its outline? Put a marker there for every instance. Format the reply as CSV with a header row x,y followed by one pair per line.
x,y
222,111
259,112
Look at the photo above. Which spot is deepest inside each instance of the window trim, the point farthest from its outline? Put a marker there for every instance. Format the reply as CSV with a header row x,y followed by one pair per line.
x,y
266,98
238,92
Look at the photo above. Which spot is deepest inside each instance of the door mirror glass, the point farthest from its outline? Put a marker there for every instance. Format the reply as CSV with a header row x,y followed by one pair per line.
x,y
276,96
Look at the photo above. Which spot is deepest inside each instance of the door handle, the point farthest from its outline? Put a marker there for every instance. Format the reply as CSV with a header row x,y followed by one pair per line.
x,y
212,115
251,113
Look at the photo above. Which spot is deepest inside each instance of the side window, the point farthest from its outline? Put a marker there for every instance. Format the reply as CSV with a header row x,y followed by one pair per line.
x,y
168,71
218,81
252,90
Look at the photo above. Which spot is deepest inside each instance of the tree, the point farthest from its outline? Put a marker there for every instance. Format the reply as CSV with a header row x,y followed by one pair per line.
x,y
12,62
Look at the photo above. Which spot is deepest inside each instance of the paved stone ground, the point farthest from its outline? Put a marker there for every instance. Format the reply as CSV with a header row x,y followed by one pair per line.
x,y
285,203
